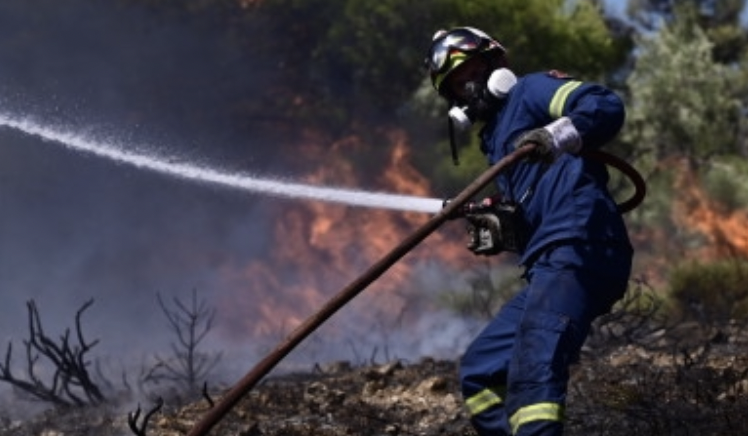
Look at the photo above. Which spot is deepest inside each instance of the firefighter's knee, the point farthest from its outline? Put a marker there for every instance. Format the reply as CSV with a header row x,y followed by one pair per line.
x,y
547,343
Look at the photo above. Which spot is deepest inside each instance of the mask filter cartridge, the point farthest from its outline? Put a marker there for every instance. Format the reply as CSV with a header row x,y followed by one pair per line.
x,y
500,83
460,117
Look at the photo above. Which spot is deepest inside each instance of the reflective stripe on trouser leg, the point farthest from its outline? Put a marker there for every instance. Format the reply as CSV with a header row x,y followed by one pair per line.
x,y
484,367
536,412
568,287
538,372
484,400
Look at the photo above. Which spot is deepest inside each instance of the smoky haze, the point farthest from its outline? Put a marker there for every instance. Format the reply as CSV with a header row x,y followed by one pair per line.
x,y
75,227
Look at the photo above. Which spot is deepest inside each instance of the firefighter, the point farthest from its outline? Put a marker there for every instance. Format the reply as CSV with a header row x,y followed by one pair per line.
x,y
570,237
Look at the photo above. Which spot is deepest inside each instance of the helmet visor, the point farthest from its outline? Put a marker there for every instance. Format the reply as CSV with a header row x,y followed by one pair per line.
x,y
462,41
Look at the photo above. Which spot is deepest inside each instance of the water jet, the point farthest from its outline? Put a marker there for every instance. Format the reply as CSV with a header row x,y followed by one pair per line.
x,y
201,173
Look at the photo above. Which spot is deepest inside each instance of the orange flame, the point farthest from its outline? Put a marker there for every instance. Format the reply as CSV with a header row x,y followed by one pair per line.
x,y
726,231
320,247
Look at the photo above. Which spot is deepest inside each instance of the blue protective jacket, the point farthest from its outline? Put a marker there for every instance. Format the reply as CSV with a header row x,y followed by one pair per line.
x,y
568,199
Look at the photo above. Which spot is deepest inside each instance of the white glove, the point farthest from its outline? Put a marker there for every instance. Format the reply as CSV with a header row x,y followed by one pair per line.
x,y
552,140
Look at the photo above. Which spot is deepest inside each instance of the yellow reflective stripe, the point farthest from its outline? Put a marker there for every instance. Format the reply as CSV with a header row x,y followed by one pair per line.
x,y
454,60
558,101
483,400
536,412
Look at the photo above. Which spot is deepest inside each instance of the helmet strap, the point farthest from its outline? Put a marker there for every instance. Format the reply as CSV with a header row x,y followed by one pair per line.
x,y
453,142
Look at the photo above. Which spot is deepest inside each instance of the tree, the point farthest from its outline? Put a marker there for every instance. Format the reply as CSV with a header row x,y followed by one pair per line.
x,y
685,115
682,102
721,20
187,367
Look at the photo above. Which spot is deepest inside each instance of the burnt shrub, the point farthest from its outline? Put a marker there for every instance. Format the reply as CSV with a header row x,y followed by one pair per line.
x,y
710,292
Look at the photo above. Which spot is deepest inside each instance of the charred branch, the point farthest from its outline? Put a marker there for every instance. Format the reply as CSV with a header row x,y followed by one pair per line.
x,y
70,384
207,396
132,418
636,318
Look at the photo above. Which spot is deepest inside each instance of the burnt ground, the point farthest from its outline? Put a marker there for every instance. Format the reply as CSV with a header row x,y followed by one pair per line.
x,y
643,379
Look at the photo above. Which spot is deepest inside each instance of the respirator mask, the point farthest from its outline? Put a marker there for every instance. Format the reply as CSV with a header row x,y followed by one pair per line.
x,y
482,99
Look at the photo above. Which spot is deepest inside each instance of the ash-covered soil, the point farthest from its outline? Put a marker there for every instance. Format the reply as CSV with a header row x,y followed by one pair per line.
x,y
686,380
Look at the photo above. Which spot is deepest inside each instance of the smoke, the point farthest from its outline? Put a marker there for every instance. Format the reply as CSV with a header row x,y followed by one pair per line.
x,y
76,227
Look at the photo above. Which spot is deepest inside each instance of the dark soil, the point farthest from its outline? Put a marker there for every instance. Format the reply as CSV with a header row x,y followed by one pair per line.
x,y
644,380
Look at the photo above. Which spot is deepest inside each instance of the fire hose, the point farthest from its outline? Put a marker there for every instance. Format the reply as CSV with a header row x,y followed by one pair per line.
x,y
246,383
640,186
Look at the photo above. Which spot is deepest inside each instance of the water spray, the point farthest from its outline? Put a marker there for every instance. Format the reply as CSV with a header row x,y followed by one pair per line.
x,y
200,173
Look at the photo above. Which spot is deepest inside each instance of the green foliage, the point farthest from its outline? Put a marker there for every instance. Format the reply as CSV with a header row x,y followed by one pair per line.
x,y
720,20
715,291
379,48
725,183
640,305
367,56
686,105
682,102
541,34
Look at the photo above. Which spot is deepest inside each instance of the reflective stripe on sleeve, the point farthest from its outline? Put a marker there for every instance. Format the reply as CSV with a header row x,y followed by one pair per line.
x,y
556,109
483,400
536,412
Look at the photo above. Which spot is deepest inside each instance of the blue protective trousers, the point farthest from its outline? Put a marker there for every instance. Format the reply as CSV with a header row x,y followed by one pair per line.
x,y
514,375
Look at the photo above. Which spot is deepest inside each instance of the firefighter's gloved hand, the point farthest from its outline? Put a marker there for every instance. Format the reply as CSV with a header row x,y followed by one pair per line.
x,y
484,233
552,140
543,141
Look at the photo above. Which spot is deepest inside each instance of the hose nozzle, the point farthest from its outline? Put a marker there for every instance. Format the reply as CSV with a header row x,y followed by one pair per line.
x,y
468,208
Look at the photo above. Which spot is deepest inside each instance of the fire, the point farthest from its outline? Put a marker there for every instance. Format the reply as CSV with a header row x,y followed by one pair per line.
x,y
726,231
318,248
